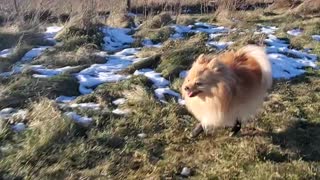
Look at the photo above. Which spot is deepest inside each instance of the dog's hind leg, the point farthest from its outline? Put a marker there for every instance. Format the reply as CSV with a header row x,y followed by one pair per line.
x,y
236,128
197,130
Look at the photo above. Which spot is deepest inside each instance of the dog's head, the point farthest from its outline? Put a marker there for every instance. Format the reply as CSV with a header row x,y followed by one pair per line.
x,y
204,77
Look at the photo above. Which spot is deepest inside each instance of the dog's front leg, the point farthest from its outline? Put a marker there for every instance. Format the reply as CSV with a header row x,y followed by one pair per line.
x,y
197,130
236,128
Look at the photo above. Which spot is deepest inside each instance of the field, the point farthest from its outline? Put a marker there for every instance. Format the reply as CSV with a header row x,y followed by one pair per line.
x,y
93,95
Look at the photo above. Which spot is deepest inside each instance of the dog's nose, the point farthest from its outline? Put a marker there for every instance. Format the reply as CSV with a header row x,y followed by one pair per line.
x,y
186,88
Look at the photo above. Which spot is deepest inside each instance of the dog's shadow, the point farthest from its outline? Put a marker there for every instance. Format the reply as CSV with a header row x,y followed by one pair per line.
x,y
301,137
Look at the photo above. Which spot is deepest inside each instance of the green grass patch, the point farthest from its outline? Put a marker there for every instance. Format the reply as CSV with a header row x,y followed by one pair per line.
x,y
26,89
179,55
74,37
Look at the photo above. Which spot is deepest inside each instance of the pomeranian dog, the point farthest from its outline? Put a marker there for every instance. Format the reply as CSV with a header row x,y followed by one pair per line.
x,y
225,90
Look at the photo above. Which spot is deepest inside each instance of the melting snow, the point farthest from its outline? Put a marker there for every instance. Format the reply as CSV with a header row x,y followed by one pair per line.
x,y
155,77
295,32
183,74
287,63
198,27
51,32
85,121
266,29
19,127
160,83
6,113
149,43
219,45
119,101
6,52
116,38
97,74
35,52
316,37
93,106
65,99
47,73
121,111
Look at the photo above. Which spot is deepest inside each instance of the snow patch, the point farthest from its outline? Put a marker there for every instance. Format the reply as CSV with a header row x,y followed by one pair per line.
x,y
316,37
19,127
33,53
155,77
295,32
65,99
51,32
183,74
6,52
266,29
119,101
116,38
93,106
97,74
85,121
160,83
219,45
121,111
287,63
47,73
148,43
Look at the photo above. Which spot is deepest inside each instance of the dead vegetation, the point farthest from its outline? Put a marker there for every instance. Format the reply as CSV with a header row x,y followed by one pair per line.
x,y
26,89
282,144
82,56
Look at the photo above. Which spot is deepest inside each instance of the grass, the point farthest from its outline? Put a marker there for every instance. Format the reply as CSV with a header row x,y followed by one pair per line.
x,y
83,56
281,144
120,20
275,147
157,21
21,42
155,35
179,55
74,37
26,88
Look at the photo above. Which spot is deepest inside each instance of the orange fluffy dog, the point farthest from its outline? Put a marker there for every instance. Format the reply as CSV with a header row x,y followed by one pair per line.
x,y
225,90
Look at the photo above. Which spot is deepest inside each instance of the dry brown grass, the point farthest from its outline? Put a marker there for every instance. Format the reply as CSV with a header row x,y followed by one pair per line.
x,y
120,20
82,56
158,21
308,7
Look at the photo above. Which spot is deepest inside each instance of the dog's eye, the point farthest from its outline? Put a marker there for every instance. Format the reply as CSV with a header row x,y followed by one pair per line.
x,y
217,69
198,83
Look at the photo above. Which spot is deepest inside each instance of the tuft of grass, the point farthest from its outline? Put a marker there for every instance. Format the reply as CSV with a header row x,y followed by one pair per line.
x,y
84,56
27,88
21,42
179,55
185,20
149,62
155,35
147,52
248,38
111,91
157,21
120,20
47,129
74,37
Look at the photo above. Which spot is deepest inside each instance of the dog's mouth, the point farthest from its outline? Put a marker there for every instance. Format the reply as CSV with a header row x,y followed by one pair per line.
x,y
193,93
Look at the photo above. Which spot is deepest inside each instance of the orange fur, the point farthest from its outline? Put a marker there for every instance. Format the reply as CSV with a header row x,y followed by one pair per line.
x,y
230,86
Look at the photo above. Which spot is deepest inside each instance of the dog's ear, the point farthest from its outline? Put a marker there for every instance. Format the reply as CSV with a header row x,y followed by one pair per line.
x,y
215,65
201,59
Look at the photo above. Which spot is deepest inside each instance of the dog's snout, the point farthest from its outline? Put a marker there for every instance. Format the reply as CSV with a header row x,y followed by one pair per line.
x,y
186,88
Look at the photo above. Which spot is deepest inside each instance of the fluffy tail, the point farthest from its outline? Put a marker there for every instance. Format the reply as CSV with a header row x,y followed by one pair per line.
x,y
259,54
